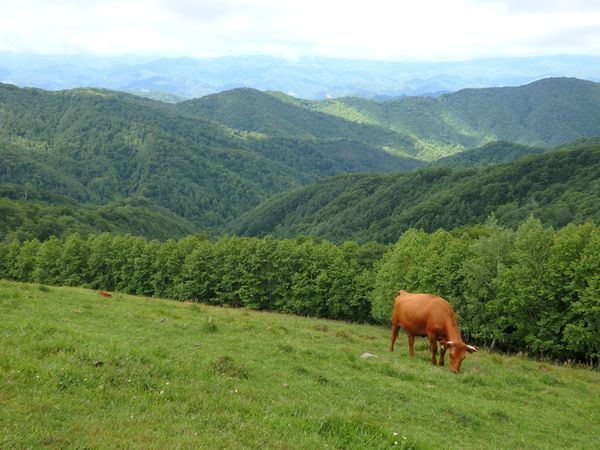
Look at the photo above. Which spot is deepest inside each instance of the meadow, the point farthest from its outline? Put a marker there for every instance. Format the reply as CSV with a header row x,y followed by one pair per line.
x,y
78,370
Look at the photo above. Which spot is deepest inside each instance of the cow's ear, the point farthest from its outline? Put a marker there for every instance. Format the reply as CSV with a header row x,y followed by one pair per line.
x,y
472,348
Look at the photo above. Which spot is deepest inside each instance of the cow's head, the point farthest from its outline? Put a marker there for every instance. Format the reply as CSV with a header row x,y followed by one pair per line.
x,y
458,352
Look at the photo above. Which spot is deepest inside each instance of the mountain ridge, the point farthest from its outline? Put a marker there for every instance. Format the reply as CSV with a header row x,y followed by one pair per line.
x,y
559,187
104,148
315,78
99,146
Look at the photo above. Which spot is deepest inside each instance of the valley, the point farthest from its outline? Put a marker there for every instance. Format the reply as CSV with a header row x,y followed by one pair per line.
x,y
96,160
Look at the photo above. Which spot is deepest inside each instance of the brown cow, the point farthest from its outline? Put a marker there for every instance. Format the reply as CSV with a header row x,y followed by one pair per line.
x,y
431,316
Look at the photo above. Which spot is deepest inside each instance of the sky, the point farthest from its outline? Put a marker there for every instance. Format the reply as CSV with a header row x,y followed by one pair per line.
x,y
433,30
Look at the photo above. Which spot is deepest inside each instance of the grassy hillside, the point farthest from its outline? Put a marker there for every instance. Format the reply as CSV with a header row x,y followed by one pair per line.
x,y
81,370
558,187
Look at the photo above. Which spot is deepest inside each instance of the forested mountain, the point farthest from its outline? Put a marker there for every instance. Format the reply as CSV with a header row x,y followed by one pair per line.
x,y
98,160
547,112
262,112
559,187
487,155
102,148
27,212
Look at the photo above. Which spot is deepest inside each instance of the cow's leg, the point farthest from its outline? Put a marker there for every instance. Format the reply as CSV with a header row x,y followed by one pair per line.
x,y
394,336
442,353
411,344
433,343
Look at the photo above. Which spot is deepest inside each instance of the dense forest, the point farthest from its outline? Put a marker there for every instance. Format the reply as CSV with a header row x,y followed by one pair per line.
x,y
98,147
547,112
534,289
488,155
559,187
361,207
93,160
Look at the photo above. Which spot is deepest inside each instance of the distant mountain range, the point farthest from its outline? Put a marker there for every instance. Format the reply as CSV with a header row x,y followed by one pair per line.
x,y
93,159
310,78
547,112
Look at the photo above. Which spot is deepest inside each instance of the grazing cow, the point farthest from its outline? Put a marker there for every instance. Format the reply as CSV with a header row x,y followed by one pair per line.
x,y
104,294
431,316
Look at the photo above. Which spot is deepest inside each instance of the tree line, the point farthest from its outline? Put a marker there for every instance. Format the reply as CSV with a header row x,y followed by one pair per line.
x,y
533,289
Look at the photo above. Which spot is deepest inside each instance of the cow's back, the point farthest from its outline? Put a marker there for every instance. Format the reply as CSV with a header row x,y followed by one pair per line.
x,y
415,312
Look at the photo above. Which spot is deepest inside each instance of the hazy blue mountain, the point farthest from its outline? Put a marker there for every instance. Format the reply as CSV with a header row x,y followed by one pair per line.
x,y
314,78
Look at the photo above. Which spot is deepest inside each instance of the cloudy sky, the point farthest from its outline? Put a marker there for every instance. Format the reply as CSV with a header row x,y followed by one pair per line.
x,y
369,29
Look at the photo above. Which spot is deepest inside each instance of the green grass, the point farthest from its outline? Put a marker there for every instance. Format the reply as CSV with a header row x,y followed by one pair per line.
x,y
81,371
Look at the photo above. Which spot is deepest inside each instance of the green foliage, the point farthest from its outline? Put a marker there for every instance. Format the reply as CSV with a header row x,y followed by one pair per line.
x,y
488,155
547,112
42,215
90,160
302,276
48,262
532,290
524,302
22,259
490,254
558,187
95,160
254,111
575,274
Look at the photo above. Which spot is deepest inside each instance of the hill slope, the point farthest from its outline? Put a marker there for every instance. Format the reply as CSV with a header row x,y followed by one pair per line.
x,y
98,147
80,370
252,110
108,149
487,155
547,112
558,187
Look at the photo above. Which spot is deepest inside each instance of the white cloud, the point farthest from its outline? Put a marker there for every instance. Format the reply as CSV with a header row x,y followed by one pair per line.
x,y
376,29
